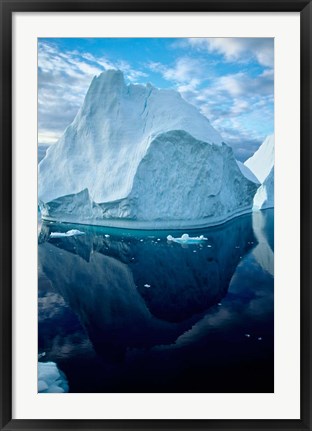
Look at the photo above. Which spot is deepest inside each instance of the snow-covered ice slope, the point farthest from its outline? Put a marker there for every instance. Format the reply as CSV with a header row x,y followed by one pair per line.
x,y
247,172
142,157
264,198
262,161
261,164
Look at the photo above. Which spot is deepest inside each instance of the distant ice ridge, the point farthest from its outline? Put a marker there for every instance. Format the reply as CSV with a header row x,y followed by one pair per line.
x,y
51,379
261,164
136,156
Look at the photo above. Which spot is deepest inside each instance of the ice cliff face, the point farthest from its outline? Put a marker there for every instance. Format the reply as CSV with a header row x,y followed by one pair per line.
x,y
261,165
142,157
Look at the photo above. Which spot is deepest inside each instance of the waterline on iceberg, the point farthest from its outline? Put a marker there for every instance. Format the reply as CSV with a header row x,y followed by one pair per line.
x,y
145,224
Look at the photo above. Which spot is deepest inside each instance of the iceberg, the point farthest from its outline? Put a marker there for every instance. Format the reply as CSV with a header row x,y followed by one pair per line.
x,y
186,239
261,164
140,157
51,379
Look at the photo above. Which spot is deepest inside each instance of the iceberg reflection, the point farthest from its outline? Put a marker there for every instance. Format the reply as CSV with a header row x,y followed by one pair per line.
x,y
133,290
263,253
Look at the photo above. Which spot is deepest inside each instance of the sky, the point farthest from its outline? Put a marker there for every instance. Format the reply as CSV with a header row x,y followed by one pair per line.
x,y
230,80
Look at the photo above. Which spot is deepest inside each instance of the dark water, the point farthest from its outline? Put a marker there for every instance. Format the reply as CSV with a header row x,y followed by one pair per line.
x,y
130,312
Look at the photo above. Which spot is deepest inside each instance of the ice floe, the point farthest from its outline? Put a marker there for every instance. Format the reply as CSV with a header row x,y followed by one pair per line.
x,y
72,232
186,239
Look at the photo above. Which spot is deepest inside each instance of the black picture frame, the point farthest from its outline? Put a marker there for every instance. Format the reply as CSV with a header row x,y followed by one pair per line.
x,y
8,7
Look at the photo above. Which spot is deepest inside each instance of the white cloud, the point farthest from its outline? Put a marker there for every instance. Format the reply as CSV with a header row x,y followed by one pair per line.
x,y
238,49
239,106
47,137
86,68
241,84
132,74
187,73
231,83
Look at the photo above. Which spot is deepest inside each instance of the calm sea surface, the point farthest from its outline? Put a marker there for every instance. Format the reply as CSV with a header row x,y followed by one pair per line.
x,y
127,311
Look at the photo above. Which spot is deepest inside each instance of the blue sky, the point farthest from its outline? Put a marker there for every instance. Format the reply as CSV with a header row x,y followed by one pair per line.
x,y
230,80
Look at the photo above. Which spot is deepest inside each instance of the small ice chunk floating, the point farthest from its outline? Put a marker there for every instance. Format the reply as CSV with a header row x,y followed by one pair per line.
x,y
72,232
186,239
